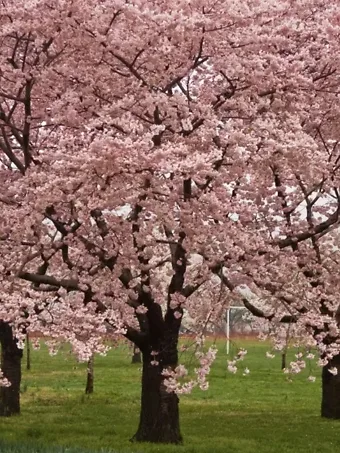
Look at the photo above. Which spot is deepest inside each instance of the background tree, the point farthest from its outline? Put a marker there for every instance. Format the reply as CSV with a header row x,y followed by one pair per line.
x,y
136,355
11,357
90,376
28,352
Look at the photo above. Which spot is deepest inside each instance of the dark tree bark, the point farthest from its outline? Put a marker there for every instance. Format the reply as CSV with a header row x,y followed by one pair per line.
x,y
136,355
159,417
90,376
330,405
28,352
11,357
283,360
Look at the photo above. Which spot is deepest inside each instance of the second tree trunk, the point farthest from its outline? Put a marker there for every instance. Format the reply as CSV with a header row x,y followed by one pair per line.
x,y
90,376
330,406
11,357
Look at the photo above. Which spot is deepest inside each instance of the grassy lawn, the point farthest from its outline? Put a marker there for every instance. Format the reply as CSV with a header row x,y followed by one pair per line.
x,y
262,412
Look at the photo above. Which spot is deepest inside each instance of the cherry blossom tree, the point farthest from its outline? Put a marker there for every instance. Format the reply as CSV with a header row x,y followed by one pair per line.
x,y
151,155
310,306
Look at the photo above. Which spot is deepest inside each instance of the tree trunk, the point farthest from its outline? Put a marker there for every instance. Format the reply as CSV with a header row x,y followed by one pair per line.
x,y
283,360
28,353
11,357
136,355
90,376
330,405
159,418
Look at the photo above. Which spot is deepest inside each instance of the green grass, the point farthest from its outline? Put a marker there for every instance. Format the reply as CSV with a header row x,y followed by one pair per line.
x,y
262,412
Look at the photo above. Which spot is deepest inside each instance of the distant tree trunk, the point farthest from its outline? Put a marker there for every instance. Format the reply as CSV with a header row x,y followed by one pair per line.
x,y
28,353
11,357
136,355
330,405
159,416
90,376
283,360
284,352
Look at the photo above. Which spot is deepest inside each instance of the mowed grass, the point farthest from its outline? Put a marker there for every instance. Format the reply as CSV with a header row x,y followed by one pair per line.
x,y
261,412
